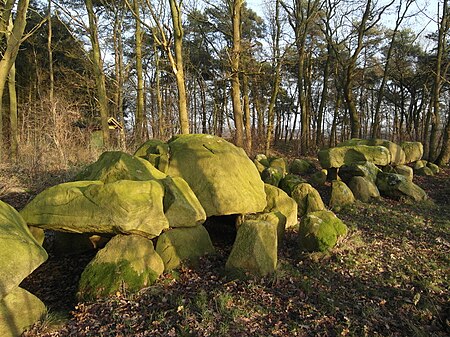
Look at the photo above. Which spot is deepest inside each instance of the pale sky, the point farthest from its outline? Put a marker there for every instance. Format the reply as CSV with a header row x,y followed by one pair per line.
x,y
425,20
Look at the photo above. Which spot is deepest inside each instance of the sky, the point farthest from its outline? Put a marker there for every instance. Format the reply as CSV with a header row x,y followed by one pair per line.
x,y
424,22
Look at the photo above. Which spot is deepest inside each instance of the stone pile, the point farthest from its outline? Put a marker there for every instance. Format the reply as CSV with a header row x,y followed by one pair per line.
x,y
152,206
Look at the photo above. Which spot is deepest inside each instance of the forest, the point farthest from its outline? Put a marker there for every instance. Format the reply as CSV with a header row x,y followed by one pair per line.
x,y
307,73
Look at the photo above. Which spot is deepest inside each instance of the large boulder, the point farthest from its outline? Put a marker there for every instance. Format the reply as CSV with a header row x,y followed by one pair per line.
x,y
254,250
115,165
307,198
18,311
272,175
127,264
261,162
289,182
363,189
320,231
279,164
404,170
183,244
424,171
319,178
125,206
397,186
413,151
221,175
301,166
181,206
20,252
279,202
419,164
433,167
397,154
345,155
341,195
276,218
156,152
362,169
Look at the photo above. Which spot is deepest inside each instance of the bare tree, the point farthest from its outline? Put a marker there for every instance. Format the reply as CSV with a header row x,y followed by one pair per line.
x,y
13,34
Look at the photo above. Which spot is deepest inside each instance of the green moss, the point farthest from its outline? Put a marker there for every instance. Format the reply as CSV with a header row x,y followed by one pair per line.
x,y
272,175
156,152
289,182
319,231
104,279
115,165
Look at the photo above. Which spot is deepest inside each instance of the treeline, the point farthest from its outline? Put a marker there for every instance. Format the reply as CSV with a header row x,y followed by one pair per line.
x,y
310,73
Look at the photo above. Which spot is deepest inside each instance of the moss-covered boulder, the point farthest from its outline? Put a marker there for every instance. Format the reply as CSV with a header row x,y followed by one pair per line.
x,y
272,176
345,155
260,167
289,182
307,198
276,218
181,206
221,175
279,164
279,202
397,186
254,250
301,166
404,170
363,189
320,231
341,195
115,165
262,158
433,167
413,151
127,264
156,152
319,178
396,152
424,171
19,251
183,244
18,311
125,206
362,169
419,164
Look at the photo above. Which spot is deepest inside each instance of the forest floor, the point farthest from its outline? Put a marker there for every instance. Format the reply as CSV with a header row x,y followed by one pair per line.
x,y
389,277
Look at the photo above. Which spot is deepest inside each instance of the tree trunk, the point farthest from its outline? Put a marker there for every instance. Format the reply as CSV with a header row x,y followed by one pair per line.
x,y
13,113
235,85
179,66
444,155
119,72
247,117
276,61
323,98
9,55
438,75
98,72
139,115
